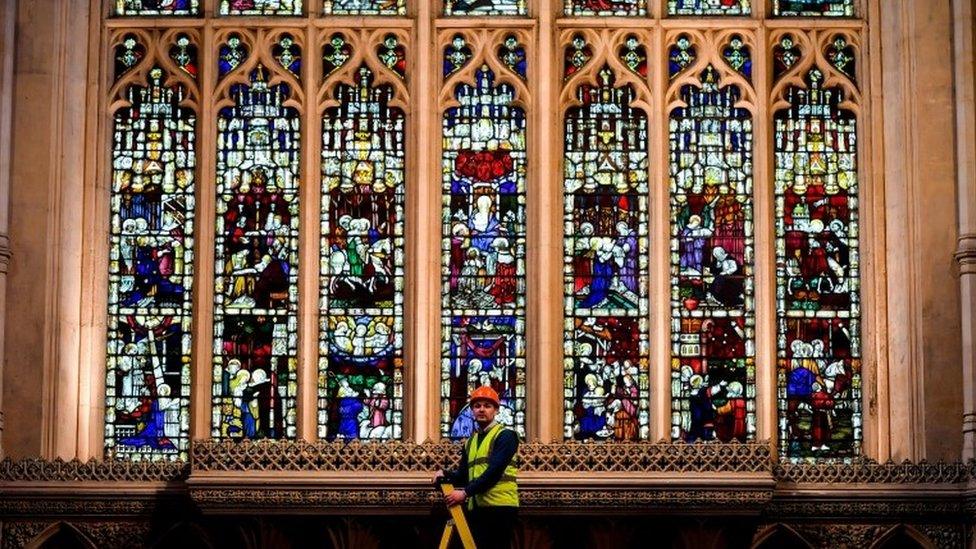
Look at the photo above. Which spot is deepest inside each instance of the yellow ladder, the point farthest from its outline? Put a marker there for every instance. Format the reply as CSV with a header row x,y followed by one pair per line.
x,y
456,522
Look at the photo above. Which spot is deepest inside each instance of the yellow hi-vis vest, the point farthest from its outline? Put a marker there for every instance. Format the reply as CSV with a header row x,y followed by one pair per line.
x,y
505,492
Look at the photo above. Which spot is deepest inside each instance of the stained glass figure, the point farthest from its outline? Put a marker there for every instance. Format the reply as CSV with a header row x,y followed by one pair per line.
x,y
681,55
484,7
128,54
841,56
818,299
712,304
361,303
157,7
738,56
620,8
456,55
605,198
578,54
709,7
512,55
147,393
231,54
288,54
365,7
813,8
483,266
335,54
786,54
184,54
392,54
256,263
634,55
260,7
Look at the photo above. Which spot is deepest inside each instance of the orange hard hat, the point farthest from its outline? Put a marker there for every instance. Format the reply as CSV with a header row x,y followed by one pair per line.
x,y
485,393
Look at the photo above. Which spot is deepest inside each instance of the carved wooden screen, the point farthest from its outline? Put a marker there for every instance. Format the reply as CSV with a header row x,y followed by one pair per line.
x,y
702,279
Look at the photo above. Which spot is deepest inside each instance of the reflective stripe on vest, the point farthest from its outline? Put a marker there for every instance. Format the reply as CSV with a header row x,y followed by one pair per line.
x,y
505,492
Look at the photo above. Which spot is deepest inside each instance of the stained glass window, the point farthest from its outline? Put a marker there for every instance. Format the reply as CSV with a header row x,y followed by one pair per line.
x,y
484,7
814,8
361,311
681,55
483,276
817,274
184,54
147,392
128,54
157,7
712,307
365,7
606,272
710,7
606,7
260,7
256,262
335,54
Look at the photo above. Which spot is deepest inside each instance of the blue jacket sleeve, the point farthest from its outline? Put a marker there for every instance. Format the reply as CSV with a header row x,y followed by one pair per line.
x,y
501,455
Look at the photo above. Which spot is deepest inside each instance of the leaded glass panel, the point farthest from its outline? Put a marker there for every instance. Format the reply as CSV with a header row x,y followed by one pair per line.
x,y
256,263
361,301
483,276
260,7
817,275
484,7
605,198
814,8
712,303
364,7
606,8
156,7
147,393
709,7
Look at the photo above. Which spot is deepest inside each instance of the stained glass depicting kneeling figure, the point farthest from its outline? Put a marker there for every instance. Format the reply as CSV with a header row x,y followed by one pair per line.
x,y
605,198
712,305
147,406
260,7
483,253
818,275
361,288
256,263
364,7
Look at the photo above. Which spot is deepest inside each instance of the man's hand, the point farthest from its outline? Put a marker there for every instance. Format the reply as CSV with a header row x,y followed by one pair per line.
x,y
456,497
438,476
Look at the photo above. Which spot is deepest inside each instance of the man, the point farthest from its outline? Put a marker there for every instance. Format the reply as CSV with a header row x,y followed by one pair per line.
x,y
487,473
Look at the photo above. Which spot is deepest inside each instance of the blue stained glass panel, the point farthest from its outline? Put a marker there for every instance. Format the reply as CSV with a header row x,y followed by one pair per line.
x,y
147,393
483,261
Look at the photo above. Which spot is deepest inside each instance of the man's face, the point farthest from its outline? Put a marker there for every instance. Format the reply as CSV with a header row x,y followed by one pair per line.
x,y
484,411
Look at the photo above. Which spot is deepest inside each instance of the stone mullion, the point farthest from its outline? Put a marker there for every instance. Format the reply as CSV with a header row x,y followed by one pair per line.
x,y
764,242
659,233
309,250
201,398
544,239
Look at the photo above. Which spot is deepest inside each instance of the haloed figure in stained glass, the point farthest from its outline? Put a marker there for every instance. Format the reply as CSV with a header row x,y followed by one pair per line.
x,y
711,265
606,305
361,335
709,7
484,253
